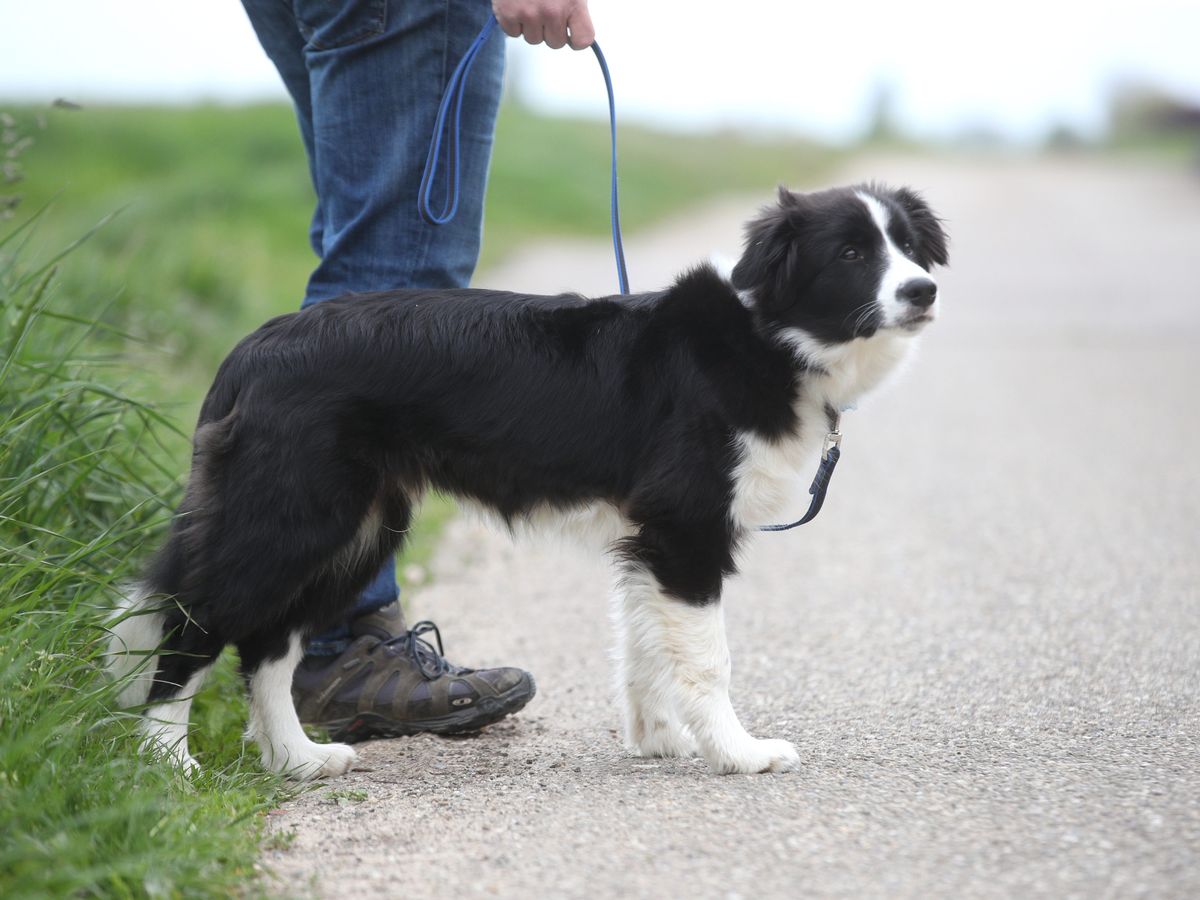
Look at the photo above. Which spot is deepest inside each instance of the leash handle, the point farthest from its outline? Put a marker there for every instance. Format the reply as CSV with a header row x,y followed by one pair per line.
x,y
453,98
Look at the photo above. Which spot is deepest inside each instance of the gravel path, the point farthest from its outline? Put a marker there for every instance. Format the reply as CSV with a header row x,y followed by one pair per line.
x,y
986,649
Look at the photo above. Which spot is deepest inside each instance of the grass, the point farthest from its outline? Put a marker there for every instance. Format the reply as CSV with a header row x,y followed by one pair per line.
x,y
83,487
194,223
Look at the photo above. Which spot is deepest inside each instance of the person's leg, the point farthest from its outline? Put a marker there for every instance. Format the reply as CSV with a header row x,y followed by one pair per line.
x,y
367,77
376,82
280,34
377,73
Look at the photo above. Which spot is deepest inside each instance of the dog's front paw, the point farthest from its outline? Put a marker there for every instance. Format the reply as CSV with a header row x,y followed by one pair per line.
x,y
755,756
337,760
309,761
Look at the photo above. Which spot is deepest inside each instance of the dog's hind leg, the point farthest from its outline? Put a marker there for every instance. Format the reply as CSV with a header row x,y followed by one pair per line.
x,y
268,663
165,723
186,656
135,632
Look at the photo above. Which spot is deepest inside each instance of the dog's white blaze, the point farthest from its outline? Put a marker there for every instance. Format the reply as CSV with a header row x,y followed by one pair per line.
x,y
674,671
899,267
274,725
165,724
132,643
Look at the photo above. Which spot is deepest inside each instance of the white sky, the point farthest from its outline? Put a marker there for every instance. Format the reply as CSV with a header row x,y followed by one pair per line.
x,y
1015,67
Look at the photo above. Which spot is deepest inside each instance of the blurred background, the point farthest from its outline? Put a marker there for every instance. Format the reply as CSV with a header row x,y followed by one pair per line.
x,y
173,117
154,203
1026,72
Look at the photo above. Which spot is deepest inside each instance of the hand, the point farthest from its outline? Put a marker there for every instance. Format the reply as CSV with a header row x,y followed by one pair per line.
x,y
557,22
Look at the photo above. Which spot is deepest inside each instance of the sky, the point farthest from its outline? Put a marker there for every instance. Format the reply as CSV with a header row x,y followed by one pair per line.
x,y
1016,69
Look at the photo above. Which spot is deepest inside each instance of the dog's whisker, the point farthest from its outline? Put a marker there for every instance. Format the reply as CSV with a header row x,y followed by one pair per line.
x,y
864,313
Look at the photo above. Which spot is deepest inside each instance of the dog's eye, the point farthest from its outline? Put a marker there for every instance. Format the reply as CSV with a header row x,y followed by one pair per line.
x,y
850,253
908,248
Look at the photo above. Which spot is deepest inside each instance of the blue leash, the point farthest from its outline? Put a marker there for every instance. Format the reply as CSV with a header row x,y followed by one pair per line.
x,y
454,98
830,455
819,486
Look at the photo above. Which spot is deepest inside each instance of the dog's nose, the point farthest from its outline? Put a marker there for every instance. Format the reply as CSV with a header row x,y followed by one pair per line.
x,y
919,292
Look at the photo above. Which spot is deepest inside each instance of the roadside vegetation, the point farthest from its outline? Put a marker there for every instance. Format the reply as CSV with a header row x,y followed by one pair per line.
x,y
136,246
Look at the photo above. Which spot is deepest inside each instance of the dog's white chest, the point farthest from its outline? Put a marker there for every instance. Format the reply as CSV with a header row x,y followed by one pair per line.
x,y
771,476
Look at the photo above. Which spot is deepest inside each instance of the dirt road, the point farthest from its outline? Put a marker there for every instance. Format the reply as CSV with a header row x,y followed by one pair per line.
x,y
986,649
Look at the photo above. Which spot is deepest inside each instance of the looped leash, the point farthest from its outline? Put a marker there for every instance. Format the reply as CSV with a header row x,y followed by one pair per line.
x,y
829,460
453,97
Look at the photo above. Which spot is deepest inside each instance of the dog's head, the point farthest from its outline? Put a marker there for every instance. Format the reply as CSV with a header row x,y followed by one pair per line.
x,y
844,263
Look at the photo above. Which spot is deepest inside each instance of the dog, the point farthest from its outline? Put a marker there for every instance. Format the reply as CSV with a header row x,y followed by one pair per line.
x,y
673,422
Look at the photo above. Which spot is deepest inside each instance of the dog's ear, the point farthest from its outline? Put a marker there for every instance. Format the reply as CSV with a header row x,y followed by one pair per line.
x,y
766,263
931,237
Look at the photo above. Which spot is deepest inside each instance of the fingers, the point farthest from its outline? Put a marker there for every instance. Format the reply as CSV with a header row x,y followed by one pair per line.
x,y
532,32
555,32
580,26
554,22
508,22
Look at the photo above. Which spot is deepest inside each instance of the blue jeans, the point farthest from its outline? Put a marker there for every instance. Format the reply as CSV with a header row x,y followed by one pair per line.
x,y
366,77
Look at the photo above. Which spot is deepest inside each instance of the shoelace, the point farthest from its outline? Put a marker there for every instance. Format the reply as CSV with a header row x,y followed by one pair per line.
x,y
432,663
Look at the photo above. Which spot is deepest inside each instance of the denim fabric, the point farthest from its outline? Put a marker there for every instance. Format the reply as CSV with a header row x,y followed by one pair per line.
x,y
366,77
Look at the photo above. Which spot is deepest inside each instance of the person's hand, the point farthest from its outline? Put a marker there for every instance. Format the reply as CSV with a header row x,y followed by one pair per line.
x,y
557,22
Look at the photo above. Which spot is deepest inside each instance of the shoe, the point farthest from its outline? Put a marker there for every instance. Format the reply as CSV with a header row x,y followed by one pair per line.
x,y
391,682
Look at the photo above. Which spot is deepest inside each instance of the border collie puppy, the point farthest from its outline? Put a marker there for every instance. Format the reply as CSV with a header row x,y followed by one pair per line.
x,y
676,422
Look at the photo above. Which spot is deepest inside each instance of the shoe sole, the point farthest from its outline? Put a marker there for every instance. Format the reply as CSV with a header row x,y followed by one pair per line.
x,y
487,711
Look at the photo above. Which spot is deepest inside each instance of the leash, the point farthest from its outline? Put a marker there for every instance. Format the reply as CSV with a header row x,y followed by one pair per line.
x,y
830,455
453,97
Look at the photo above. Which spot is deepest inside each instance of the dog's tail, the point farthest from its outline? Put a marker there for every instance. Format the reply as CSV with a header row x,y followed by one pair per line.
x,y
136,630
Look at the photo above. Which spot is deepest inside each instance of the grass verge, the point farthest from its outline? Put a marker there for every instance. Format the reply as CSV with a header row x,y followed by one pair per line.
x,y
84,486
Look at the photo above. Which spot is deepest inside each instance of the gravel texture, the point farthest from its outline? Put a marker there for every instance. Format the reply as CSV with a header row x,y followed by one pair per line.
x,y
986,649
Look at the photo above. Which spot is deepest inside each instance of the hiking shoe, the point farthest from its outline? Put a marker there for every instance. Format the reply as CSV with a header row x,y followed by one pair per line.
x,y
390,682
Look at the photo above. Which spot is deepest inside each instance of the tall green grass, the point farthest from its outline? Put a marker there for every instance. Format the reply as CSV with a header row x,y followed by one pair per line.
x,y
85,485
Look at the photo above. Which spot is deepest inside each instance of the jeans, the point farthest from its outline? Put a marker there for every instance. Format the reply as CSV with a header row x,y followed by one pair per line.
x,y
366,78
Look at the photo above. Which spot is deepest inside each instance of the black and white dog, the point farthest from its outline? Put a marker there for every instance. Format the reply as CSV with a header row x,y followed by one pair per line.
x,y
675,422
